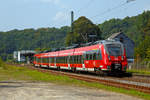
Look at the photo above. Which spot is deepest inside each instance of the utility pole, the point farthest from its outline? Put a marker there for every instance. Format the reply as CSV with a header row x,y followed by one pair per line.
x,y
72,20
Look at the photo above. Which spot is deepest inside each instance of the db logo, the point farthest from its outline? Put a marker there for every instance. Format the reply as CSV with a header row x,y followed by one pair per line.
x,y
116,58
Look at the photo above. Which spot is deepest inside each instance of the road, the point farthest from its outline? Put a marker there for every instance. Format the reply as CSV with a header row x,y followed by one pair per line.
x,y
21,90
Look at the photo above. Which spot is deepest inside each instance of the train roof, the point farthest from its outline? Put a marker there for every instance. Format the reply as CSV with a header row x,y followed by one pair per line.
x,y
79,48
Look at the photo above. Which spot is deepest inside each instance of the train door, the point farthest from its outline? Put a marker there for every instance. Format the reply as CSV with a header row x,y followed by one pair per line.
x,y
90,58
85,56
55,61
49,62
68,62
82,61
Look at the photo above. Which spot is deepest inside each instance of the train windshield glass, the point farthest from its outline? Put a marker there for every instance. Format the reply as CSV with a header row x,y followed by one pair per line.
x,y
114,49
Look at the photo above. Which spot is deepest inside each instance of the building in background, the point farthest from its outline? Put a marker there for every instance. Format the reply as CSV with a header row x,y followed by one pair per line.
x,y
24,56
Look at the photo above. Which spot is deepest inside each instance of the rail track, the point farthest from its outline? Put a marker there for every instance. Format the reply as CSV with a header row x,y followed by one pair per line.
x,y
116,82
135,82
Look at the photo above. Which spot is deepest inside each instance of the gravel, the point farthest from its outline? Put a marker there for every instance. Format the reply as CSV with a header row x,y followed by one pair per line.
x,y
20,90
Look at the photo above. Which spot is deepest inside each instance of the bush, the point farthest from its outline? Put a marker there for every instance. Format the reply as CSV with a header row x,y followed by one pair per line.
x,y
2,64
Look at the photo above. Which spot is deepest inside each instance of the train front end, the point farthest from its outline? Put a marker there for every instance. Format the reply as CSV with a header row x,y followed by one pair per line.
x,y
115,57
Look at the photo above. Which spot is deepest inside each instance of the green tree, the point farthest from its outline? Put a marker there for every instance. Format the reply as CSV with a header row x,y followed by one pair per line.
x,y
131,26
30,39
143,49
148,53
83,27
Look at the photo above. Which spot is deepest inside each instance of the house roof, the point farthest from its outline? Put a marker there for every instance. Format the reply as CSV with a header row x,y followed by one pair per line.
x,y
114,35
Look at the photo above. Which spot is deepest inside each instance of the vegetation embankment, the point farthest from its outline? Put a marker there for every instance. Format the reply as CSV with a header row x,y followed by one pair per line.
x,y
9,72
139,72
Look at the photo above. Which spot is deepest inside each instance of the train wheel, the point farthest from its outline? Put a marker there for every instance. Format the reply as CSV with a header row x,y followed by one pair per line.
x,y
58,68
34,65
73,69
101,73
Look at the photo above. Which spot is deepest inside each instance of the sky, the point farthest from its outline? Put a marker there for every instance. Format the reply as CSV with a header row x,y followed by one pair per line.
x,y
23,14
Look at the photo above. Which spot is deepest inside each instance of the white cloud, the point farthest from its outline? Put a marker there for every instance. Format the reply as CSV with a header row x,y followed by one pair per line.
x,y
56,2
61,16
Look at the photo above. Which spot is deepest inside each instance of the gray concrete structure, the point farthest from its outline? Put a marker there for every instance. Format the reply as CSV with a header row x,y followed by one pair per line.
x,y
24,56
128,43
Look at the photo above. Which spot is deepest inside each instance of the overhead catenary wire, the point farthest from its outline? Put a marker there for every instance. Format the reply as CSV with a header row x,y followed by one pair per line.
x,y
102,13
85,7
111,9
108,15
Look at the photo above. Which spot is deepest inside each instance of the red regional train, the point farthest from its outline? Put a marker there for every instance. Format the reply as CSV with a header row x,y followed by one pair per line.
x,y
106,56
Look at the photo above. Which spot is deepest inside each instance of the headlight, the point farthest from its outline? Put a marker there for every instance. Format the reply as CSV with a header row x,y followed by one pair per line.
x,y
101,66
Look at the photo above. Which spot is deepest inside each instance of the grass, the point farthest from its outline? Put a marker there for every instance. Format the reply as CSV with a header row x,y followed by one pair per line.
x,y
23,73
144,72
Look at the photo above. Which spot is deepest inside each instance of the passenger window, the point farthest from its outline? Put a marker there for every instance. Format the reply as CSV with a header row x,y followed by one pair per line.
x,y
88,57
80,59
94,56
91,57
